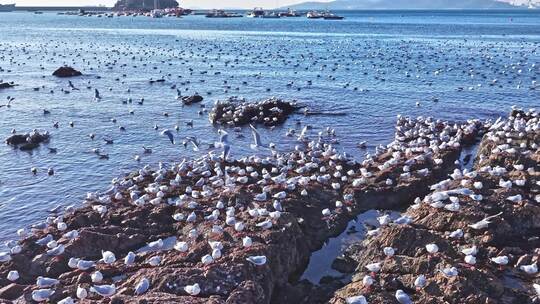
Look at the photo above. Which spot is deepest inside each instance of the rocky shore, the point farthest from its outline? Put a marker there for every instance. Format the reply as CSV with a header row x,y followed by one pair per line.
x,y
217,231
473,239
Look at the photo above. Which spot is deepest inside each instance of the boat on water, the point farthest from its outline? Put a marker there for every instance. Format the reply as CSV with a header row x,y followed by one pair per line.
x,y
331,16
256,13
289,13
222,14
314,15
7,7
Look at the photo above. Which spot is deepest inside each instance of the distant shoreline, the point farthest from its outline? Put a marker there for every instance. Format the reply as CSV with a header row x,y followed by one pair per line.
x,y
105,8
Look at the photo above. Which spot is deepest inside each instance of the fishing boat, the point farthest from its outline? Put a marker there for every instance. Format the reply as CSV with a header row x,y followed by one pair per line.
x,y
7,7
256,13
314,15
289,13
331,16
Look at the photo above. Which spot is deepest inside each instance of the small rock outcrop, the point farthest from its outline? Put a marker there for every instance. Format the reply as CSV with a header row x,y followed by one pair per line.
x,y
234,112
189,100
28,141
66,71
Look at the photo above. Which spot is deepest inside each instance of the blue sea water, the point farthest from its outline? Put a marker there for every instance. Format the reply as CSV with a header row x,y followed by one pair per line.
x,y
475,63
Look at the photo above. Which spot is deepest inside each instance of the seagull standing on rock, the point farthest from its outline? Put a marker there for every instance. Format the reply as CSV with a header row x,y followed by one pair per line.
x,y
402,297
142,286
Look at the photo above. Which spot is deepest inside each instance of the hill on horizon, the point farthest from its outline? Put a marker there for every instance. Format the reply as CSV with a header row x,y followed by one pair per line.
x,y
403,4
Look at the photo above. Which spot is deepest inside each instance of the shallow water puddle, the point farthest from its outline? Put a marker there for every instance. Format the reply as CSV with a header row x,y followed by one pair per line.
x,y
320,263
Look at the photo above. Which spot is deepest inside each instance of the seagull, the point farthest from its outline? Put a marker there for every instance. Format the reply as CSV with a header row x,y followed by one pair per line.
x,y
258,260
402,297
142,286
108,257
500,260
85,265
129,259
450,272
537,289
367,281
41,295
154,261
67,300
256,138
432,248
470,251
181,246
104,290
43,241
169,134
420,282
13,275
529,269
96,277
44,282
356,300
96,94
194,142
81,293
388,251
193,289
147,150
482,224
223,143
374,267
223,139
56,251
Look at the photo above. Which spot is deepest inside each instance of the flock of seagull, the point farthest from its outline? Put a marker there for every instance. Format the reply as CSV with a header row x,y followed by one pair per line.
x,y
197,187
506,176
314,161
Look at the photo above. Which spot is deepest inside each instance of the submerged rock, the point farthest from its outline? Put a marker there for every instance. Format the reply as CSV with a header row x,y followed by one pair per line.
x,y
235,112
66,71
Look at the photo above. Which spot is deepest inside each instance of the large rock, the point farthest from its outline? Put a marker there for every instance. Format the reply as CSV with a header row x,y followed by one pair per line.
x,y
66,71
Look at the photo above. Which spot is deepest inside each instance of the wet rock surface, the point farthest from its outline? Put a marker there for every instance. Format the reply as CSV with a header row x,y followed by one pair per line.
x,y
66,71
485,224
234,112
28,141
214,231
